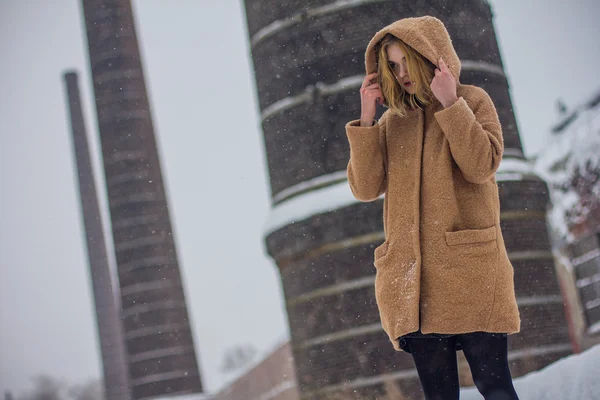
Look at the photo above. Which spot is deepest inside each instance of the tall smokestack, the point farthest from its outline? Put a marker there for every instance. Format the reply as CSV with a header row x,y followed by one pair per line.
x,y
309,64
110,330
160,346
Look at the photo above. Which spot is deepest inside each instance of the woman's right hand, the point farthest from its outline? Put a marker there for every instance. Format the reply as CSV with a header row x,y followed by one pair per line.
x,y
370,95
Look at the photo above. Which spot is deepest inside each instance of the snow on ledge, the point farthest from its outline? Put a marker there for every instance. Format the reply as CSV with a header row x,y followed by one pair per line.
x,y
308,204
576,377
514,165
339,195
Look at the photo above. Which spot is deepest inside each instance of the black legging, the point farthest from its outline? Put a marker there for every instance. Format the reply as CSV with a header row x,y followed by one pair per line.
x,y
486,354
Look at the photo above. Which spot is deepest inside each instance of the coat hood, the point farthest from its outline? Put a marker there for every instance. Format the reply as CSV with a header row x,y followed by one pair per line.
x,y
427,35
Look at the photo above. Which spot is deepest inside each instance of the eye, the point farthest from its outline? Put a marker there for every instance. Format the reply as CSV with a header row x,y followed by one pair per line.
x,y
392,65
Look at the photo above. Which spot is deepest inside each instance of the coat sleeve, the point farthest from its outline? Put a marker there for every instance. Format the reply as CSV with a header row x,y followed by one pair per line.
x,y
368,159
475,136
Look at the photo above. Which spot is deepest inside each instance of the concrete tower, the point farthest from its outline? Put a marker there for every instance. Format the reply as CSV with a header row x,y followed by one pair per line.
x,y
309,63
160,347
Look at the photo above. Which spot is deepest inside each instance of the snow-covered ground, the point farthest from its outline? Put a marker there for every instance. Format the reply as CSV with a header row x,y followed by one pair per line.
x,y
576,377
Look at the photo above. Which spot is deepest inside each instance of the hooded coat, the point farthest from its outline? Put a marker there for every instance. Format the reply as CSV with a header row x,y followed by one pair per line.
x,y
443,267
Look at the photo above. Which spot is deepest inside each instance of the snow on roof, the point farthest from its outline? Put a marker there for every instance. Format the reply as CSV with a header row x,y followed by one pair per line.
x,y
571,144
577,133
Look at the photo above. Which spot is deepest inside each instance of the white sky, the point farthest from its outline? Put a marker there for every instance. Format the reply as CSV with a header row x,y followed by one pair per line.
x,y
203,99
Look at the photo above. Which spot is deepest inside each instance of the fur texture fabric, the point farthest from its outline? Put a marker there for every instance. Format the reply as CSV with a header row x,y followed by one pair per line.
x,y
443,256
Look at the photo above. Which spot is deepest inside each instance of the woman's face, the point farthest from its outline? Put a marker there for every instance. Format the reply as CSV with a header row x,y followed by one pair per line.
x,y
397,60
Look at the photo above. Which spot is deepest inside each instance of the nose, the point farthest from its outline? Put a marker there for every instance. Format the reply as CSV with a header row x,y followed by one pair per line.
x,y
402,71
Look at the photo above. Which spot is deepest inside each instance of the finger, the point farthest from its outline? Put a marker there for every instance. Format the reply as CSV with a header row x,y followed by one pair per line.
x,y
437,72
371,88
374,94
379,98
367,81
443,66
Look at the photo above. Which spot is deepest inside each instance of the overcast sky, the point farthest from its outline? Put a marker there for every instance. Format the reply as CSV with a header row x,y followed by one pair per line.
x,y
203,98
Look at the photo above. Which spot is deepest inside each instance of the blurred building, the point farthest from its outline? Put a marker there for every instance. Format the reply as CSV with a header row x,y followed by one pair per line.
x,y
308,59
160,348
272,378
570,163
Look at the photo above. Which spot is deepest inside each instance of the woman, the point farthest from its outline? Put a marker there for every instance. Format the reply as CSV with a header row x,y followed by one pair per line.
x,y
443,278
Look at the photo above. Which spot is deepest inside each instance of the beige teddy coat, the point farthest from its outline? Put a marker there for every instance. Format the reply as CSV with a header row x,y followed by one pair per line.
x,y
443,255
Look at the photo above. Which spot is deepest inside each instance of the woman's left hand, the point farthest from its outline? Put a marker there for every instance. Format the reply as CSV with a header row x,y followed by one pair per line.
x,y
443,85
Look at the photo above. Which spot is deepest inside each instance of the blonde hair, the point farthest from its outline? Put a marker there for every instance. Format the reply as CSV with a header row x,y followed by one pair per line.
x,y
420,70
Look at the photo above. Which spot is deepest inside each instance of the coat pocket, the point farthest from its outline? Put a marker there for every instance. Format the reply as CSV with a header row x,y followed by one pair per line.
x,y
466,236
466,281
